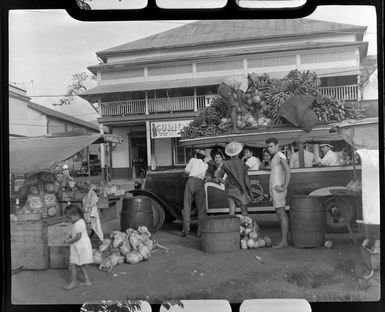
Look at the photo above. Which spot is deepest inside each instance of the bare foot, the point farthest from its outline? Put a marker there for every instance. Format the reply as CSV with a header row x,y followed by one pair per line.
x,y
281,245
85,284
70,286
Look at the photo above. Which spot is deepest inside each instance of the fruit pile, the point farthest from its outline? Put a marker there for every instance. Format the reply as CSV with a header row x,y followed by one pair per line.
x,y
262,102
249,231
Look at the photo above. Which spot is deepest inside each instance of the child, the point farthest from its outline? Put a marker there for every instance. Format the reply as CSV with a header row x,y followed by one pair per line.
x,y
279,181
238,183
80,249
251,161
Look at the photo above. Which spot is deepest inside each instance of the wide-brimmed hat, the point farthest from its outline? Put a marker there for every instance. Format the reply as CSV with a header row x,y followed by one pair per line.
x,y
326,144
233,148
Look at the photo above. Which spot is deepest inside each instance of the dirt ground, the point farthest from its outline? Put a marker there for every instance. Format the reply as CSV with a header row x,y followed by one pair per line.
x,y
185,272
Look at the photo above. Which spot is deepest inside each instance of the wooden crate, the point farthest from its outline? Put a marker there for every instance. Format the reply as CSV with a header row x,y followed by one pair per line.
x,y
56,233
109,213
59,257
29,245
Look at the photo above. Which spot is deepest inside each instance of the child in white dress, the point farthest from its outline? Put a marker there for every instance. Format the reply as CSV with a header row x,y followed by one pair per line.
x,y
80,249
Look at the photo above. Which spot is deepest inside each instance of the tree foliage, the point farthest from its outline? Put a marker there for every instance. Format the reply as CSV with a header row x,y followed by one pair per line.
x,y
76,87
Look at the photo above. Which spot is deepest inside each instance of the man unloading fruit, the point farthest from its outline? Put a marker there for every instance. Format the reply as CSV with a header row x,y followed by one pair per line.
x,y
233,90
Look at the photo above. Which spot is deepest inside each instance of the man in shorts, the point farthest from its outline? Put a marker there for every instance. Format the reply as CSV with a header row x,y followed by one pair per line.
x,y
278,183
238,188
232,90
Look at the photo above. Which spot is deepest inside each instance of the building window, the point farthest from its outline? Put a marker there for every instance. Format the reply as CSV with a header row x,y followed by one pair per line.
x,y
288,60
270,61
170,70
309,58
155,71
136,72
222,65
185,69
182,153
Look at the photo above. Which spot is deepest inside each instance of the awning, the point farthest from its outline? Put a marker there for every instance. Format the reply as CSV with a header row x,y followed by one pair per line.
x,y
257,138
150,85
35,154
361,134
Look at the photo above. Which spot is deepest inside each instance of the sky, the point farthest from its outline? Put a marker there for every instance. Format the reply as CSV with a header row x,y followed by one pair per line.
x,y
47,47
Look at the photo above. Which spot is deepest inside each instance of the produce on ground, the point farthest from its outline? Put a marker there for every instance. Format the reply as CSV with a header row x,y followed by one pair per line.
x,y
131,247
250,238
262,102
373,246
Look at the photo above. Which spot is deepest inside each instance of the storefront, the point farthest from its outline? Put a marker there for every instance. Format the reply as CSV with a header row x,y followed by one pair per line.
x,y
151,145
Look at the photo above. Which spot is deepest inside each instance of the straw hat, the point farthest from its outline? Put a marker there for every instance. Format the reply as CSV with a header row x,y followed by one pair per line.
x,y
233,148
326,144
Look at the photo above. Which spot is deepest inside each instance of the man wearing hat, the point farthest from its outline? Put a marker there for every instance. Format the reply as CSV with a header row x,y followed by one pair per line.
x,y
330,158
194,190
232,90
238,187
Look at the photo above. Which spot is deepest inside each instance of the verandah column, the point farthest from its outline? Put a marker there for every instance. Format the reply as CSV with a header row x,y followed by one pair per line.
x,y
101,131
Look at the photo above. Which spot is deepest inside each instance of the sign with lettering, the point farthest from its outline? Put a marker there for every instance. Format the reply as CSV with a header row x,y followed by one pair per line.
x,y
168,129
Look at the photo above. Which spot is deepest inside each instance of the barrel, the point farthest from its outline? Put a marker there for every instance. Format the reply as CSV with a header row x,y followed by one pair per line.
x,y
136,211
307,221
220,234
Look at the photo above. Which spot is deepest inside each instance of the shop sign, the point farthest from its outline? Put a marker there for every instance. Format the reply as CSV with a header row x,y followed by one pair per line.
x,y
168,129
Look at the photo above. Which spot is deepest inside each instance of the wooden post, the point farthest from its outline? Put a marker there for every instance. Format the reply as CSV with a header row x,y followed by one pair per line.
x,y
195,100
89,165
148,144
102,150
316,153
354,164
301,155
146,97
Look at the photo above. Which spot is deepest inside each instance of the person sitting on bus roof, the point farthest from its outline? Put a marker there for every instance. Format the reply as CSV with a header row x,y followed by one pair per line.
x,y
251,161
266,161
307,155
330,158
345,159
214,163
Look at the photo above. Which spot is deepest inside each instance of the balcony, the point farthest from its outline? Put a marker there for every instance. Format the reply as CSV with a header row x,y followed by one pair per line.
x,y
342,93
154,106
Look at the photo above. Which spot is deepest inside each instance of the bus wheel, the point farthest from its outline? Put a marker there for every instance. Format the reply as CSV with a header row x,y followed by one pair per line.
x,y
339,212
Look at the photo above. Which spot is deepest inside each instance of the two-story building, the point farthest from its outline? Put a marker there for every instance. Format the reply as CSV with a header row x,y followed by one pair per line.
x,y
149,88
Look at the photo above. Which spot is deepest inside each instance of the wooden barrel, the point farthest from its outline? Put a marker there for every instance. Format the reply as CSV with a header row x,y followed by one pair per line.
x,y
307,221
136,211
220,234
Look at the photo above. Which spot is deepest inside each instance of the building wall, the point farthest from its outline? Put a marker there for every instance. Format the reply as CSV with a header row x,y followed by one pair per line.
x,y
24,120
163,152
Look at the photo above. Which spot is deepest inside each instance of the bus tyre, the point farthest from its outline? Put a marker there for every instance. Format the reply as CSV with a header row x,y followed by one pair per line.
x,y
339,212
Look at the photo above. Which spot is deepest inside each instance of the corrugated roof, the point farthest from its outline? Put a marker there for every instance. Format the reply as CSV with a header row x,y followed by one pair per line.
x,y
50,112
214,31
152,85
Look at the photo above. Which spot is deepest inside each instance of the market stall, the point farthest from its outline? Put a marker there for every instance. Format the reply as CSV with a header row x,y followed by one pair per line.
x,y
46,190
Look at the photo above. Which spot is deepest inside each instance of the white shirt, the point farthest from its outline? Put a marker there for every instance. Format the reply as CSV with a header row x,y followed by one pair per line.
x,y
197,168
277,174
308,159
253,163
330,159
237,82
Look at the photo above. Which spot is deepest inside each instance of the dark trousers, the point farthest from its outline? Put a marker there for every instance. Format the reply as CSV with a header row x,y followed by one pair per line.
x,y
194,191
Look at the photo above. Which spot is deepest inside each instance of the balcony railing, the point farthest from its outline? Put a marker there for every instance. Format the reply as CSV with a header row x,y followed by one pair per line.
x,y
161,105
347,93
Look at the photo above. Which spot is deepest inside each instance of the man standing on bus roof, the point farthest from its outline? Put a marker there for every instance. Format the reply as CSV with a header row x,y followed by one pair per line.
x,y
278,183
233,90
330,158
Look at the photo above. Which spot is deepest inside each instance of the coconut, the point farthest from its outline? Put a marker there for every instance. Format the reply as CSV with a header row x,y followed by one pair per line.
x,y
250,243
254,235
256,99
261,242
256,244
